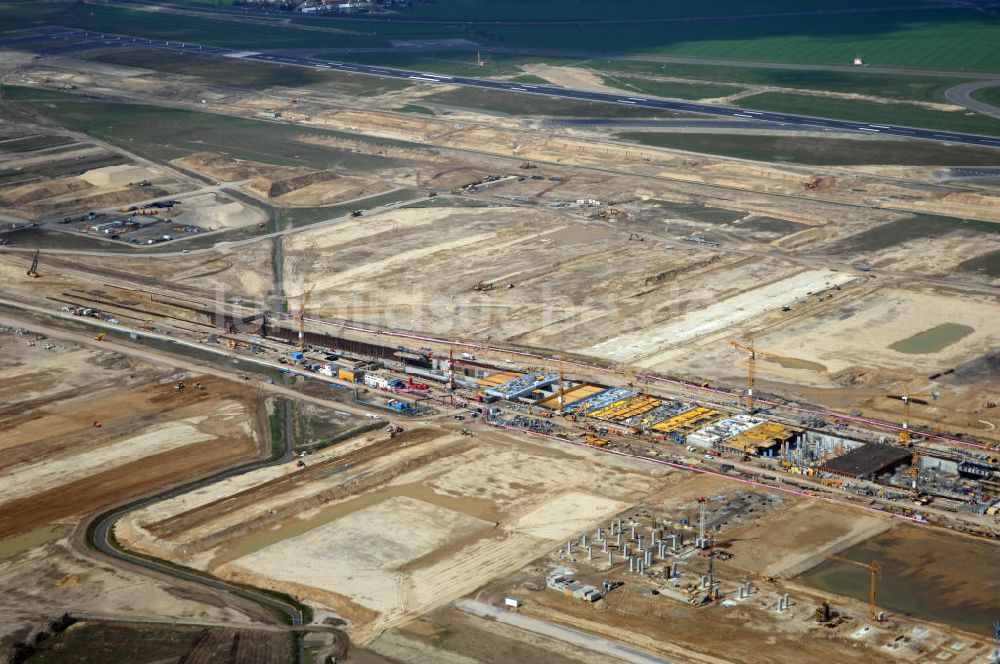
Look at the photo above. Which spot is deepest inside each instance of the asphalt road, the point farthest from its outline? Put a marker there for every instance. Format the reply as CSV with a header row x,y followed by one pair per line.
x,y
568,635
962,95
106,40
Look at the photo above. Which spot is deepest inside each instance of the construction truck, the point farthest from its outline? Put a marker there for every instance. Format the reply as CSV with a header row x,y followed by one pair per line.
x,y
100,336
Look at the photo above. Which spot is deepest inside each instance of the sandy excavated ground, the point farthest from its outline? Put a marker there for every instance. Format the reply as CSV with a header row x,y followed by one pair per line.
x,y
883,318
58,463
446,516
646,347
44,582
286,186
91,190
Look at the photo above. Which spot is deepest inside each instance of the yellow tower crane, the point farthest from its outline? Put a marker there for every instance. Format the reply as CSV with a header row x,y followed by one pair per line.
x,y
874,569
751,367
905,437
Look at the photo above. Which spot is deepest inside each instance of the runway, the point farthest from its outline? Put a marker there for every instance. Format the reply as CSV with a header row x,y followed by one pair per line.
x,y
74,37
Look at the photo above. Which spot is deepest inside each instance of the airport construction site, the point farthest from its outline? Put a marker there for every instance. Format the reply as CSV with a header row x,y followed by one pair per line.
x,y
571,393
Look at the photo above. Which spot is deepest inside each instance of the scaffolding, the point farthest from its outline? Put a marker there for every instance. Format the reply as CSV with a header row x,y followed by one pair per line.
x,y
762,437
626,408
688,421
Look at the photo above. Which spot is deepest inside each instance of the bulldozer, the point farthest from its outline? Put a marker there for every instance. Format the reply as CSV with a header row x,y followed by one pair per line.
x,y
100,336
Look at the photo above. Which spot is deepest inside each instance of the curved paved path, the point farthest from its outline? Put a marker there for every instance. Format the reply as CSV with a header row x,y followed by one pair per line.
x,y
961,94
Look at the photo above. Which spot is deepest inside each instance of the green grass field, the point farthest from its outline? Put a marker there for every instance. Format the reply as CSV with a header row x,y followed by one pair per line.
x,y
537,105
863,111
559,10
988,264
449,63
414,108
164,134
250,73
906,229
958,38
670,88
32,143
916,88
819,151
988,95
215,31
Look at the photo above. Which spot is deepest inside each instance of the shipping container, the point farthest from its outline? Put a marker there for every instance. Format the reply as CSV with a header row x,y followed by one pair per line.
x,y
344,374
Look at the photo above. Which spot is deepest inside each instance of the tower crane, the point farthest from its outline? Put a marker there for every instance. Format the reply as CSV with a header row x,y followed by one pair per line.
x,y
33,270
905,438
874,569
300,317
751,367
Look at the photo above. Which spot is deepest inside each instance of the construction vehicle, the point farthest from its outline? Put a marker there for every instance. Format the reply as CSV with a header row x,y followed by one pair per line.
x,y
526,165
100,336
199,386
33,270
636,237
466,432
179,385
905,437
482,286
812,182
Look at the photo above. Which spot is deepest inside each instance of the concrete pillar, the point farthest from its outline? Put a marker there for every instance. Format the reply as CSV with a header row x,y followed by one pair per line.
x,y
611,560
583,540
605,543
640,566
630,565
618,539
569,547
673,541
624,549
633,532
639,540
590,553
673,570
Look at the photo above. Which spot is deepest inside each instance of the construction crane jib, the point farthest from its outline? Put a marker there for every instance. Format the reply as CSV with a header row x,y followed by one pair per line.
x,y
748,348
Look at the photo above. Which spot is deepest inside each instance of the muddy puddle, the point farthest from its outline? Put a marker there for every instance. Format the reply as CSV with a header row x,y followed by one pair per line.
x,y
927,574
933,340
796,363
12,546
